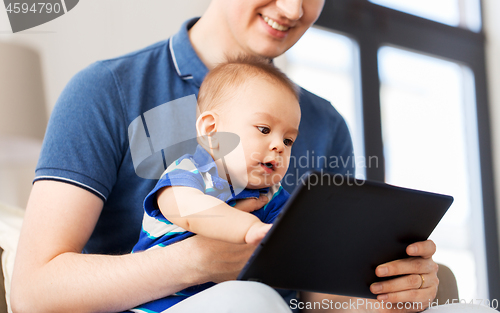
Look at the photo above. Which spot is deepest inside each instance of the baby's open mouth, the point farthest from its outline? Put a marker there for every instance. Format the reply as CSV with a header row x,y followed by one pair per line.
x,y
269,166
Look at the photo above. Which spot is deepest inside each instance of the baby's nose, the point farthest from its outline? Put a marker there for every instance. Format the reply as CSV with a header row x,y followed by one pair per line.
x,y
278,146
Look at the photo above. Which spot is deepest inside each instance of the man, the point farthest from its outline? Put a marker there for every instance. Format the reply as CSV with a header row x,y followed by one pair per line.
x,y
88,189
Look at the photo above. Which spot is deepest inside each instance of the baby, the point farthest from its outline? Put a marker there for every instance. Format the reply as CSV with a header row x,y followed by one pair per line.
x,y
248,120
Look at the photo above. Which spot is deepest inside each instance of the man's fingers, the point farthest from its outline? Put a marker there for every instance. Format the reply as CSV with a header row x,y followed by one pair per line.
x,y
407,282
424,249
250,205
418,282
417,297
407,266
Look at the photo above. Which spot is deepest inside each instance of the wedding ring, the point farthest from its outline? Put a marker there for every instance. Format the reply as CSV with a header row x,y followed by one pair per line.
x,y
423,281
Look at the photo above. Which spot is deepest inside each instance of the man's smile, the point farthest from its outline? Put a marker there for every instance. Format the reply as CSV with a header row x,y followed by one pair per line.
x,y
275,24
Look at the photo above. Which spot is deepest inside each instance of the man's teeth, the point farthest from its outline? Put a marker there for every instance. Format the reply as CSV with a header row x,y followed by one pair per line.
x,y
275,25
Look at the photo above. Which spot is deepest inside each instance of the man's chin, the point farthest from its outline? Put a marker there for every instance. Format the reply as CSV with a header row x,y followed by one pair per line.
x,y
269,51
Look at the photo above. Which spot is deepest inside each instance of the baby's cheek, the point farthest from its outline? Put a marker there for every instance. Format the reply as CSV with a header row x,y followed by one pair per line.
x,y
285,162
280,172
252,157
277,177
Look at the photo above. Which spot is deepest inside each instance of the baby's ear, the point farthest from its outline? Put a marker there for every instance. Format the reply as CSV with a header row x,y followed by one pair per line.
x,y
206,128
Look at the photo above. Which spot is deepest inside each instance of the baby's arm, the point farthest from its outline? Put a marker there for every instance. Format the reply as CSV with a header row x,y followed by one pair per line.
x,y
210,217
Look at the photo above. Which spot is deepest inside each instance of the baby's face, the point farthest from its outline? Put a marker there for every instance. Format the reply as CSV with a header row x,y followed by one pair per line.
x,y
266,116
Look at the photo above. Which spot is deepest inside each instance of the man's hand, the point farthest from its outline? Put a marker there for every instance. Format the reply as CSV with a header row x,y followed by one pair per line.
x,y
222,261
419,282
217,260
403,293
59,220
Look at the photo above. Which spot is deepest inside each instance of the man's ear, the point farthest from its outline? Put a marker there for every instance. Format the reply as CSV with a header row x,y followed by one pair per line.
x,y
206,128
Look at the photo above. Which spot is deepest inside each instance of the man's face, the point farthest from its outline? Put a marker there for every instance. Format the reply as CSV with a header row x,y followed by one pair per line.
x,y
267,28
266,117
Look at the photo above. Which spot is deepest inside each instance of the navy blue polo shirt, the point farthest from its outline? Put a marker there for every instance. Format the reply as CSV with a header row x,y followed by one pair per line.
x,y
120,122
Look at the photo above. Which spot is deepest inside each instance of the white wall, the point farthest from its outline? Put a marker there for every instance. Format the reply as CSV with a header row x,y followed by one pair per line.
x,y
93,30
491,22
97,29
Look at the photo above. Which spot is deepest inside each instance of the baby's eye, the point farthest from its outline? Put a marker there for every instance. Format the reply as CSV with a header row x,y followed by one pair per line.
x,y
288,142
264,130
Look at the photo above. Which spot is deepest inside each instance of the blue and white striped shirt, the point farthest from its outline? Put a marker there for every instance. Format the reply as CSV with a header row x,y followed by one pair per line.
x,y
196,171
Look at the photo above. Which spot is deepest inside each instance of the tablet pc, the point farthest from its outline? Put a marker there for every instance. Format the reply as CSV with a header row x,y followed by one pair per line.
x,y
334,231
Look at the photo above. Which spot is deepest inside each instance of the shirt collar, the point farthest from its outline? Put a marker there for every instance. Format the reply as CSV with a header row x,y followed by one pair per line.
x,y
187,63
205,163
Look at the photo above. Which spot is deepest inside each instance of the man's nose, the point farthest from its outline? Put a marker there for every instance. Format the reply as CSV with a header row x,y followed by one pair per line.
x,y
291,9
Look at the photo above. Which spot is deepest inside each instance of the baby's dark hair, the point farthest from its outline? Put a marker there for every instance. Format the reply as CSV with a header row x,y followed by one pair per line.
x,y
222,81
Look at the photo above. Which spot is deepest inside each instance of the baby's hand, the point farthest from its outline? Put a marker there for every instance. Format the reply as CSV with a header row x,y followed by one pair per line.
x,y
251,204
256,232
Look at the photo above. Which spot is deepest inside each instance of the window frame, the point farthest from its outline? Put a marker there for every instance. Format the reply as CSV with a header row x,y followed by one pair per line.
x,y
374,26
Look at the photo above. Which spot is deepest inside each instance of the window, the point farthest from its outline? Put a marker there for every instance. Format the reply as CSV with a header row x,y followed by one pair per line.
x,y
413,92
462,13
326,63
430,143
